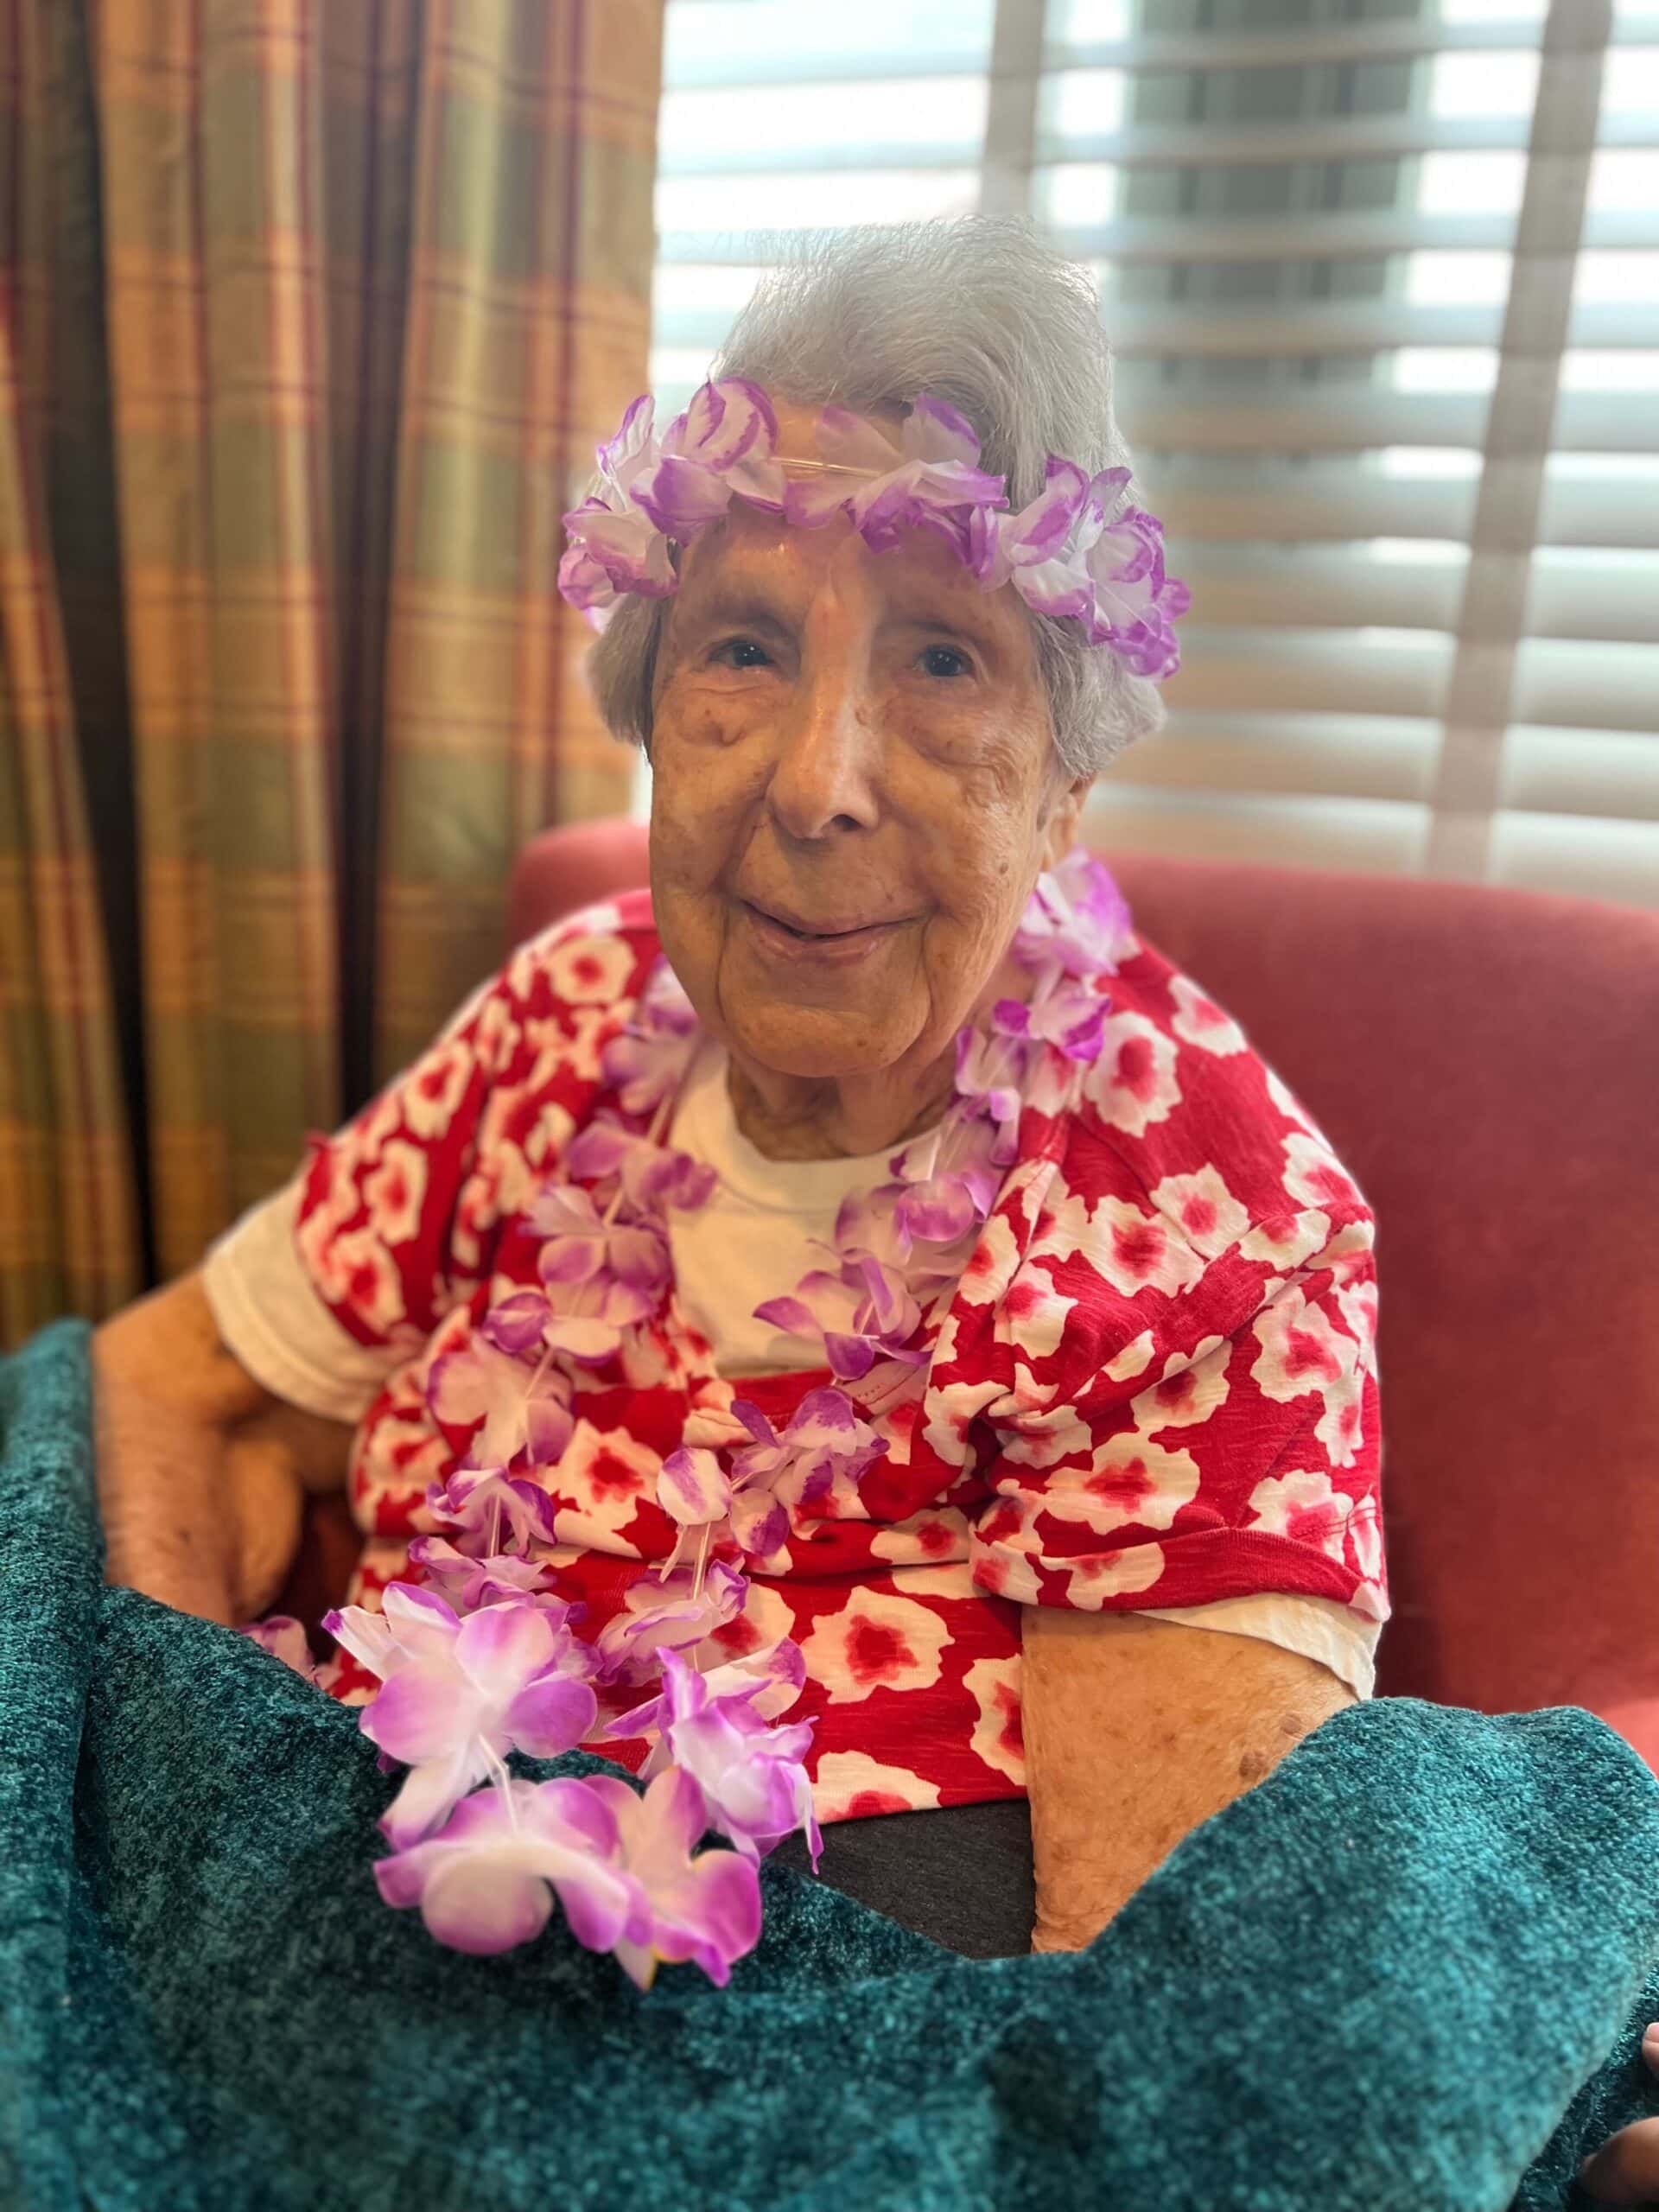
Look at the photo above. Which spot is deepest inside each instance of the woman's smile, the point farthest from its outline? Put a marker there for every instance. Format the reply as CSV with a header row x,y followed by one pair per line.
x,y
834,941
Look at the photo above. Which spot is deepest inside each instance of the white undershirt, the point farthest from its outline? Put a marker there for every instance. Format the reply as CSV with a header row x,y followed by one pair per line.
x,y
750,1241
753,1239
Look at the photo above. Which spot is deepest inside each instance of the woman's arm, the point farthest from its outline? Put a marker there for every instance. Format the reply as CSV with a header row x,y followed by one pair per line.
x,y
1135,1732
202,1473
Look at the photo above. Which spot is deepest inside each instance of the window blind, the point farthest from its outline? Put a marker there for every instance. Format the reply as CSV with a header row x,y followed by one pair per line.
x,y
1383,285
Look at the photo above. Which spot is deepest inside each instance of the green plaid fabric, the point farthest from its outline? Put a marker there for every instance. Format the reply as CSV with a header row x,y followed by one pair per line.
x,y
68,1223
376,276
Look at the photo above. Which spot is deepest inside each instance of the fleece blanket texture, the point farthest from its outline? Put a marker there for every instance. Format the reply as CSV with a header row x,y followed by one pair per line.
x,y
1408,1970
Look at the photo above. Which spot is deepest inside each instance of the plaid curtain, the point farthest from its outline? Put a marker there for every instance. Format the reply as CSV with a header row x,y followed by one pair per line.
x,y
312,313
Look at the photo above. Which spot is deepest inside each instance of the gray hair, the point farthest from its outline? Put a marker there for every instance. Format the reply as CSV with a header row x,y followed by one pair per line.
x,y
981,312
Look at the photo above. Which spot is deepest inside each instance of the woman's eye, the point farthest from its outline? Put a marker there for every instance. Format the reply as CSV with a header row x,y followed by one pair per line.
x,y
741,652
945,660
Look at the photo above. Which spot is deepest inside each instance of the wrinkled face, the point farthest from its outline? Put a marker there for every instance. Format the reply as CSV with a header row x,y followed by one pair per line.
x,y
854,789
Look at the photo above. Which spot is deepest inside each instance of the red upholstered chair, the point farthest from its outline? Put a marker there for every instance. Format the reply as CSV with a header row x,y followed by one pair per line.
x,y
1487,1063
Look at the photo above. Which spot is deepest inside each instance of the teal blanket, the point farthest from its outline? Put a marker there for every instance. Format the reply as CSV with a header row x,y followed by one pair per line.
x,y
1409,1970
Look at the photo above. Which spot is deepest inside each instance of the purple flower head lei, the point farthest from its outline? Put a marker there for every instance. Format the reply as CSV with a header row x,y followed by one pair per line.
x,y
1067,555
482,1659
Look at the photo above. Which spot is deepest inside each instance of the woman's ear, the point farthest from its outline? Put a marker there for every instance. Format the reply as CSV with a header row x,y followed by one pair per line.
x,y
1066,812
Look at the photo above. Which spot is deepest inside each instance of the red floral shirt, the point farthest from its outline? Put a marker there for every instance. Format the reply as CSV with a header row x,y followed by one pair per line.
x,y
1154,1386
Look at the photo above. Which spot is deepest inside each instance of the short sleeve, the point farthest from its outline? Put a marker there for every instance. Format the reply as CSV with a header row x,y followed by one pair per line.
x,y
1217,1437
270,1320
399,1212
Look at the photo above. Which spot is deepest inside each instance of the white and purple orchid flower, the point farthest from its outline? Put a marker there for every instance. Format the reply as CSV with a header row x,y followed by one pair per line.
x,y
947,1185
459,1695
750,1772
1066,559
822,1445
520,1416
992,1068
1065,554
720,449
1075,920
703,1907
498,1578
672,1612
615,548
1070,1016
930,479
650,492
485,1880
599,1276
750,1504
473,1502
647,1062
648,1176
862,1311
621,1865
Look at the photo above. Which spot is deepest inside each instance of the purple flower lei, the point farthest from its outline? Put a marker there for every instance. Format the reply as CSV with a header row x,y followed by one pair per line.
x,y
481,1659
1067,554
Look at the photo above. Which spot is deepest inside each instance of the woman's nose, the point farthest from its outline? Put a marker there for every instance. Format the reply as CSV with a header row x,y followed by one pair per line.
x,y
826,773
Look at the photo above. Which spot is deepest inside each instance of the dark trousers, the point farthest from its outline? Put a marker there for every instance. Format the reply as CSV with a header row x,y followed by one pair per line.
x,y
962,1875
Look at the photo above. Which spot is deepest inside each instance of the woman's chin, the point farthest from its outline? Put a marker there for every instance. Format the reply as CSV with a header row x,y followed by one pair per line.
x,y
817,1044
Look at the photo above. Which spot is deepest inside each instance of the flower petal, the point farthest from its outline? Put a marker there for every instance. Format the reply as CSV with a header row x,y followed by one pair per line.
x,y
500,1647
693,1487
552,1716
476,1903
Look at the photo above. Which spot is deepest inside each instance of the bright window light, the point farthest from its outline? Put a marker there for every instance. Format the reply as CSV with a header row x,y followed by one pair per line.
x,y
813,200
707,288
1642,468
1445,368
1630,80
1607,278
1081,103
677,368
1624,177
1084,21
1471,184
1484,84
921,112
1592,369
807,41
1414,552
1075,195
1462,280
1427,461
1492,11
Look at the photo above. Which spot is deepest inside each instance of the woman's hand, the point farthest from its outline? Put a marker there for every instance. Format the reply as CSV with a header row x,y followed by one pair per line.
x,y
1625,2171
202,1474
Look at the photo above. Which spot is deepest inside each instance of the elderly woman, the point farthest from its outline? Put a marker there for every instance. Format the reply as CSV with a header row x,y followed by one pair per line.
x,y
888,1299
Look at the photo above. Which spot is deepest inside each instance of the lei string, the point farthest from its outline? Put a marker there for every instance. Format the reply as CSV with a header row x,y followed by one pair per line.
x,y
482,1659
1067,554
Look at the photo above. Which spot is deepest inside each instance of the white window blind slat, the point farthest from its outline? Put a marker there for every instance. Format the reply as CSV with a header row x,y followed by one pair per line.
x,y
1613,774
1152,145
1619,424
1130,241
1371,756
1306,44
1382,279
1389,837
